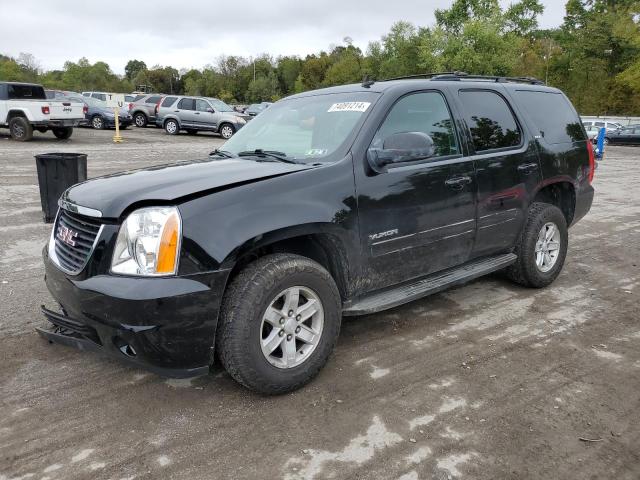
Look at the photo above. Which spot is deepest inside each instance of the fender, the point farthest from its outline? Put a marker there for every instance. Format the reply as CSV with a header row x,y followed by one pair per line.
x,y
221,227
22,112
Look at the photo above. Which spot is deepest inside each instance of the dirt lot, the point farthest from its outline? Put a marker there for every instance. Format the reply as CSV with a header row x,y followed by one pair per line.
x,y
487,381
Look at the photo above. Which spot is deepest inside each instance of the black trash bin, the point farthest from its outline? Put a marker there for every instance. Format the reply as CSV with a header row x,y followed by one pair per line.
x,y
56,173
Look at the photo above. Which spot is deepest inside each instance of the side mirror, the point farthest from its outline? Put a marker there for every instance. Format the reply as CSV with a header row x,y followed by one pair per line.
x,y
400,147
210,110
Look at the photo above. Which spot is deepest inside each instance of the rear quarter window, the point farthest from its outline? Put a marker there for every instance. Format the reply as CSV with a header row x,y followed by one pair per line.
x,y
552,115
168,101
155,99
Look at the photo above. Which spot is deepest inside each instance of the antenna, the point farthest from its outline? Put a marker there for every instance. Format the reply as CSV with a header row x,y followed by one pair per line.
x,y
367,82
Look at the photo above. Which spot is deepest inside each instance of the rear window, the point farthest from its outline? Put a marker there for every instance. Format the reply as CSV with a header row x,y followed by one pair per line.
x,y
490,120
154,99
17,92
137,97
99,96
552,115
168,101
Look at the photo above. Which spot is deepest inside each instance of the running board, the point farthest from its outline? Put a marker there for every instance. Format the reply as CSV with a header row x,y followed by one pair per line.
x,y
435,283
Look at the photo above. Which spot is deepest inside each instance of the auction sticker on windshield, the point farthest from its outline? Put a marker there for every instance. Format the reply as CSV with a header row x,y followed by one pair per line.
x,y
349,107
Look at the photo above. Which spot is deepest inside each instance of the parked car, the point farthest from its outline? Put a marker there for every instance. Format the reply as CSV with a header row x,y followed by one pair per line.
x,y
122,98
143,110
99,115
592,132
625,136
343,201
57,94
610,126
256,108
193,114
24,107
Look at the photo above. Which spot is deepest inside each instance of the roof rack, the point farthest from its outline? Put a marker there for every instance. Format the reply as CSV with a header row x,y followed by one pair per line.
x,y
458,76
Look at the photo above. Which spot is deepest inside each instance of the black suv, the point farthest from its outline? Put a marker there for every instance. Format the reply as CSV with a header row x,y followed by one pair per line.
x,y
342,201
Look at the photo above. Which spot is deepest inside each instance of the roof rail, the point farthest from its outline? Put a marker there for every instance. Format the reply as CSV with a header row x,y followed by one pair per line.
x,y
458,76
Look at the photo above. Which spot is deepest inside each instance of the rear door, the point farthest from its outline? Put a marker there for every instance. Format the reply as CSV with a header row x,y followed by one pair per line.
x,y
185,110
417,217
507,169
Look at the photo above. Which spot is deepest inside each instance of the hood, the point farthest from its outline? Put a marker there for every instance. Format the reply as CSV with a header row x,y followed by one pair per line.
x,y
112,194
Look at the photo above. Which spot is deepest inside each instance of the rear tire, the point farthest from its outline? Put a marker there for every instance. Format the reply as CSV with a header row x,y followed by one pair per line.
x,y
540,259
171,127
97,122
20,129
62,132
243,334
140,119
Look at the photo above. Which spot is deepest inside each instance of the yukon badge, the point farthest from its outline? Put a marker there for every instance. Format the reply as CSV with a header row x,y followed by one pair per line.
x,y
378,236
66,235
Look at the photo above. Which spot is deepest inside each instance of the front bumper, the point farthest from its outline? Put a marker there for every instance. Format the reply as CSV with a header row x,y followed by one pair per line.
x,y
166,325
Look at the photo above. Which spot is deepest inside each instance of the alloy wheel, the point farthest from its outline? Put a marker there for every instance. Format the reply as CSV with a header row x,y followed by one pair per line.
x,y
291,327
226,132
547,247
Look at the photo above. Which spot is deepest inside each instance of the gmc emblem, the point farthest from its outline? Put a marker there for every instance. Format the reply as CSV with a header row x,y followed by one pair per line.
x,y
66,235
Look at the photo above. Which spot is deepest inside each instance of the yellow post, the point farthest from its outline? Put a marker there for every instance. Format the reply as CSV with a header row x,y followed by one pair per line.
x,y
117,138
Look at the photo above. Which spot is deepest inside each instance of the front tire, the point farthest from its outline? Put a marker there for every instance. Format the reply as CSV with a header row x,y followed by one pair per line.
x,y
20,129
271,339
62,132
171,127
542,247
227,131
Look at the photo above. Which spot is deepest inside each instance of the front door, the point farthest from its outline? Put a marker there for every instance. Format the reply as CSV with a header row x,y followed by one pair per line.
x,y
186,110
418,216
205,117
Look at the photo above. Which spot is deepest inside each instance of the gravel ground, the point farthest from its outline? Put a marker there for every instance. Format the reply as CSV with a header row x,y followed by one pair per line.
x,y
486,381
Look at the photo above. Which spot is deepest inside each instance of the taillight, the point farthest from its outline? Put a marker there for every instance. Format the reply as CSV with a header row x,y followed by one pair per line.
x,y
130,106
157,107
45,109
592,160
85,109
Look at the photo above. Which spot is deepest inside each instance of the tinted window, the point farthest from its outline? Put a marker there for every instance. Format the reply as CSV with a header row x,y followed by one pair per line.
x,y
187,104
99,96
137,97
26,92
154,99
168,101
490,120
599,124
552,115
420,112
86,94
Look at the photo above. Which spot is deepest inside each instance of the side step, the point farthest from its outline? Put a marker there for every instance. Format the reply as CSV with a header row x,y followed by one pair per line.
x,y
435,283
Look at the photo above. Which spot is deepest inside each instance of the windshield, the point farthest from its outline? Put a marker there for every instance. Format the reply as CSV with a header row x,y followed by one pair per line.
x,y
307,129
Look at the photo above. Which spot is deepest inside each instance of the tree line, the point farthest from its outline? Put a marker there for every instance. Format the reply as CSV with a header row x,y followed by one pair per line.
x,y
594,56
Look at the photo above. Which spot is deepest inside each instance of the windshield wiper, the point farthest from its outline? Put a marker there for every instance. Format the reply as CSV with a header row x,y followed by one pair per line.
x,y
222,153
258,152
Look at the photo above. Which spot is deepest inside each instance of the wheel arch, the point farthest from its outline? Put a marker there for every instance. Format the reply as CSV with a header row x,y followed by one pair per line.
x,y
319,242
17,112
562,194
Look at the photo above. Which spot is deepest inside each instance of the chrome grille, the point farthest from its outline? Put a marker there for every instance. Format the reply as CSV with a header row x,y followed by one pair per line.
x,y
74,238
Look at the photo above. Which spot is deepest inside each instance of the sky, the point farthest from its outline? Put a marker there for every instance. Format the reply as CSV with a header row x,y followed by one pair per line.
x,y
164,33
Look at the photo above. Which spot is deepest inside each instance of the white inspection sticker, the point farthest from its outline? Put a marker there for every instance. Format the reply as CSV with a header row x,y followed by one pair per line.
x,y
349,107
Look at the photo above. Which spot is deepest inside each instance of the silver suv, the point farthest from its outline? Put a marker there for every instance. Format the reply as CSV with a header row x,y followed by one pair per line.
x,y
198,113
143,109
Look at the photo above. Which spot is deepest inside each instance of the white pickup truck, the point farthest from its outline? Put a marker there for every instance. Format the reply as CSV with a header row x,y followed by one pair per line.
x,y
25,107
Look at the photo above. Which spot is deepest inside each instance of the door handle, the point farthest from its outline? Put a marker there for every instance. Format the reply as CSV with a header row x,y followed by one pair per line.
x,y
177,111
457,183
528,168
197,113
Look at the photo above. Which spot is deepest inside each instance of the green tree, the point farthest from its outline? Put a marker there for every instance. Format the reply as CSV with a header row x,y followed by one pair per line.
x,y
133,68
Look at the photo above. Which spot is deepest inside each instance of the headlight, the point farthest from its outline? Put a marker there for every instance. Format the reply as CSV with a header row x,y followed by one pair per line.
x,y
148,243
240,120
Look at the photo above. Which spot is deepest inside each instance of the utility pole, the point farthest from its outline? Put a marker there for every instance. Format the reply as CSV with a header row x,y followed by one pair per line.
x,y
546,77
